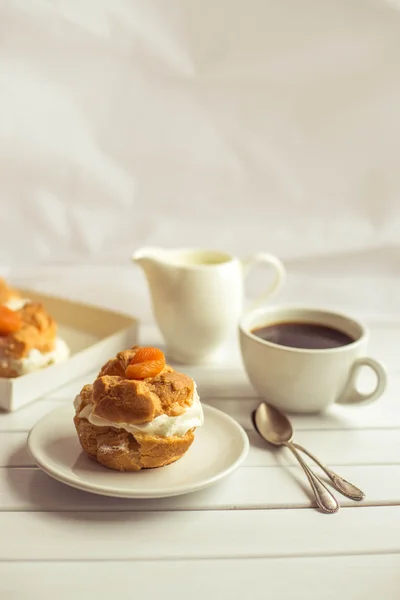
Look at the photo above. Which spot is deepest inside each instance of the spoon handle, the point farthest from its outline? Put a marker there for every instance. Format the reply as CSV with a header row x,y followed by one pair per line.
x,y
344,487
325,500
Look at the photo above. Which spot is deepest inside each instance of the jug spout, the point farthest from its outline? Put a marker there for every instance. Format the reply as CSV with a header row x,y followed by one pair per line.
x,y
147,254
153,260
160,277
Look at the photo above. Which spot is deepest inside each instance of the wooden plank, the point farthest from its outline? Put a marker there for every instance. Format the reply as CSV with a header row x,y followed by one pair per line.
x,y
325,578
69,391
338,447
13,451
384,343
248,488
384,413
25,418
200,534
333,447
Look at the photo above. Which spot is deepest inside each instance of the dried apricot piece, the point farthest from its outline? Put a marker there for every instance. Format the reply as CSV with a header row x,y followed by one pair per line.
x,y
10,321
147,362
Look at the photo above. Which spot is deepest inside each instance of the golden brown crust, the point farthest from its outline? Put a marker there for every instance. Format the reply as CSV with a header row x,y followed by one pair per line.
x,y
38,331
117,366
117,449
134,401
6,371
175,391
120,400
124,400
86,395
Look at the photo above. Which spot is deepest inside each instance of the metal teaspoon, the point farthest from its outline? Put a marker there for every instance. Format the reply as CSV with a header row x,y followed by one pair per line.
x,y
341,485
276,429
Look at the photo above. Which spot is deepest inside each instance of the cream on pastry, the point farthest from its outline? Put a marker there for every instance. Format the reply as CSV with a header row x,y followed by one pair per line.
x,y
28,336
139,413
16,303
162,426
10,297
36,360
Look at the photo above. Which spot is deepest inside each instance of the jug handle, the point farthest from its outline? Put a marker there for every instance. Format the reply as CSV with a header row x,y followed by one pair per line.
x,y
277,281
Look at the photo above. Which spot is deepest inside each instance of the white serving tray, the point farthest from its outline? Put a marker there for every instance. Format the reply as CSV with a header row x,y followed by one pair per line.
x,y
93,335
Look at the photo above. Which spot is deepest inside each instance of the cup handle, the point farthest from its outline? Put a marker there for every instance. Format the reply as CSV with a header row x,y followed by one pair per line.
x,y
351,395
272,261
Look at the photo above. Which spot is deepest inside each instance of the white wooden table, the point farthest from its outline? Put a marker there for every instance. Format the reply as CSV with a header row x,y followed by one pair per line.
x,y
255,535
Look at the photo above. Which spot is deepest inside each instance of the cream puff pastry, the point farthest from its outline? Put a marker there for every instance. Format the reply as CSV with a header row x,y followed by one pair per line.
x,y
28,335
139,413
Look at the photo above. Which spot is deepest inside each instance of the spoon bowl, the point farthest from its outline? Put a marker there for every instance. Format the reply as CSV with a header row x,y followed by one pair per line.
x,y
272,425
276,429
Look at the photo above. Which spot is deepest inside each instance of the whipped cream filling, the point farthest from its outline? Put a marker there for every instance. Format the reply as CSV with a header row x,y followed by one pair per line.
x,y
15,303
36,360
163,425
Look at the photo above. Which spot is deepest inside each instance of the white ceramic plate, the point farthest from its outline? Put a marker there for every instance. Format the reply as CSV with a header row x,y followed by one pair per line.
x,y
220,446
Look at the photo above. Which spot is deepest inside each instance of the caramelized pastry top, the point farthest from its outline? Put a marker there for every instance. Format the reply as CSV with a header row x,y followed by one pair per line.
x,y
117,398
36,330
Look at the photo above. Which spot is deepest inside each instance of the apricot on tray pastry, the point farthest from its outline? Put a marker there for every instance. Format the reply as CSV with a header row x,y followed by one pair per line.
x,y
28,336
139,413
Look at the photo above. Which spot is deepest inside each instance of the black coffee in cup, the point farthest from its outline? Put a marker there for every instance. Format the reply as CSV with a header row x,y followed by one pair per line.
x,y
310,336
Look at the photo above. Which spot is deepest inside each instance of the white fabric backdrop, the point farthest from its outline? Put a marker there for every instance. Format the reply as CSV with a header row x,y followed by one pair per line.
x,y
240,124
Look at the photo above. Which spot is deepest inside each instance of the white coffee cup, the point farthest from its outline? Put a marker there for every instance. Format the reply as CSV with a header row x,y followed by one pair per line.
x,y
303,380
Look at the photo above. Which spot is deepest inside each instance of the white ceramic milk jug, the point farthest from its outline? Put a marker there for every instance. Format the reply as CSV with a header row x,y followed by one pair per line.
x,y
197,296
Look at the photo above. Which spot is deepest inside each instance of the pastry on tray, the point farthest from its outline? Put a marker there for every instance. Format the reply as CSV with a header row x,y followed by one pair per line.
x,y
139,413
10,297
28,335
